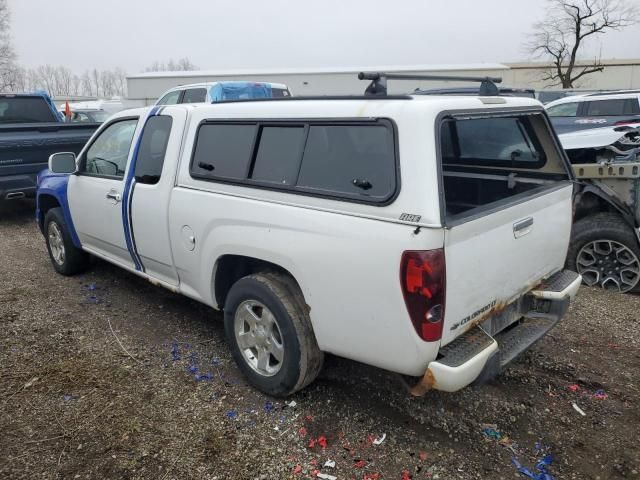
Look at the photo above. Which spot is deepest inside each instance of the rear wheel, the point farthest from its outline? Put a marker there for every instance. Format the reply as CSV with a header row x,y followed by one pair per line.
x,y
269,332
605,251
66,258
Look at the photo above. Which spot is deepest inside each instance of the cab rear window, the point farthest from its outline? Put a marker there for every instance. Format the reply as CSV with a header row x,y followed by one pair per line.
x,y
25,110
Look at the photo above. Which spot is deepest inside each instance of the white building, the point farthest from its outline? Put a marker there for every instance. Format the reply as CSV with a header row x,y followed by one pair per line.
x,y
145,88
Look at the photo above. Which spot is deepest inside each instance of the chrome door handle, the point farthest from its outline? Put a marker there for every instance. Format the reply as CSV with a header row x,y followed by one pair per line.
x,y
115,196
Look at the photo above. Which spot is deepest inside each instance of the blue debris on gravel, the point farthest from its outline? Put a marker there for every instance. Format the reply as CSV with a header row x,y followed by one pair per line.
x,y
541,468
203,377
232,414
490,432
175,352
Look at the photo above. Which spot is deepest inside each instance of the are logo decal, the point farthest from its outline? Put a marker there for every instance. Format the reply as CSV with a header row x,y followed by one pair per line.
x,y
409,217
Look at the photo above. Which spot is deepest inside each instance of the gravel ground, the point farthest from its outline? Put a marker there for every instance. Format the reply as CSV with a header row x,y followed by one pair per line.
x,y
105,376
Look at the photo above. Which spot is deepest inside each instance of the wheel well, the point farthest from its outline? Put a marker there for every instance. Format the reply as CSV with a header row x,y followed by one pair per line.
x,y
231,268
46,203
590,203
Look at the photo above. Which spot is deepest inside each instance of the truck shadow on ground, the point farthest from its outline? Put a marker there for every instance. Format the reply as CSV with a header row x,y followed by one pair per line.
x,y
17,212
159,318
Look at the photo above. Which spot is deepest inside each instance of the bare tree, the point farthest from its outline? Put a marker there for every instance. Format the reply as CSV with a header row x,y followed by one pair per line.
x,y
8,67
64,80
181,65
76,85
568,25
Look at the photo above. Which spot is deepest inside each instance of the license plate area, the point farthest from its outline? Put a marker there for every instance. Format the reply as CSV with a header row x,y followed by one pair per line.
x,y
503,318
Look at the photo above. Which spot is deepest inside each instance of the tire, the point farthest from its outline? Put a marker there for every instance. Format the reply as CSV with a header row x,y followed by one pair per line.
x,y
605,251
281,328
67,259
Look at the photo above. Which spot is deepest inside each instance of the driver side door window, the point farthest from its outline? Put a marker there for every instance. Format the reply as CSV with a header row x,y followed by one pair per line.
x,y
107,156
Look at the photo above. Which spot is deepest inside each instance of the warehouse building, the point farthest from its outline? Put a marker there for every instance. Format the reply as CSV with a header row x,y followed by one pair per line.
x,y
145,88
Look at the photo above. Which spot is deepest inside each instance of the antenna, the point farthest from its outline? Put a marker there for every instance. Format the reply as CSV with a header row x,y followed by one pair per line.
x,y
378,85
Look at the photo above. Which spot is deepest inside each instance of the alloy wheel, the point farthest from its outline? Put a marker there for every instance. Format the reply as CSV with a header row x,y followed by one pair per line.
x,y
56,243
609,264
259,337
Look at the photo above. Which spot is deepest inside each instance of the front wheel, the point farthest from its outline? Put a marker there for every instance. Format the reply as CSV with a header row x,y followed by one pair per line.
x,y
269,332
605,251
66,258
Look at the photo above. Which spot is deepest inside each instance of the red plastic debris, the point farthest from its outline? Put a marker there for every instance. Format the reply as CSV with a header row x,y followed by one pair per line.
x,y
303,432
297,469
314,473
423,455
321,440
360,464
309,418
314,462
574,387
405,475
370,440
372,476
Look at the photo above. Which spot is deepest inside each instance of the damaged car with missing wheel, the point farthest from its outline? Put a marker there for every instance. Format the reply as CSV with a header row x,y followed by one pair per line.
x,y
421,234
605,241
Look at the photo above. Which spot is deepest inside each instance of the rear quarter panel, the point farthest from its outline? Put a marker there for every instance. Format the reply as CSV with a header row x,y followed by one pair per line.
x,y
347,268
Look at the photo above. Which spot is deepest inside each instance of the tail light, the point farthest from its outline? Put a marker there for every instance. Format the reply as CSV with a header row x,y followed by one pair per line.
x,y
423,279
626,122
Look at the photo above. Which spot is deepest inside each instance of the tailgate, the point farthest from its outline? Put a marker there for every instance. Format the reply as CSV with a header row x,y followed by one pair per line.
x,y
26,148
495,258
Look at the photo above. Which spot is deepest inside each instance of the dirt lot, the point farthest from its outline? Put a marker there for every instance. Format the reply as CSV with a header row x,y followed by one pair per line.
x,y
73,404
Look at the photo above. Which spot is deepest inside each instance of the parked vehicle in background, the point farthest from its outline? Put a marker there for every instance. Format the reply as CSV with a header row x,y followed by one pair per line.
x,y
31,129
504,91
221,91
547,96
594,110
295,217
605,246
86,116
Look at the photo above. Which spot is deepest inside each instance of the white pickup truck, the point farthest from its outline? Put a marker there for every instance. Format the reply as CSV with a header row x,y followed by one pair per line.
x,y
424,235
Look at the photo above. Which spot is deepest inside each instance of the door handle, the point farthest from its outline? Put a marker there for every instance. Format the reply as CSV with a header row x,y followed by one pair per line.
x,y
522,227
115,196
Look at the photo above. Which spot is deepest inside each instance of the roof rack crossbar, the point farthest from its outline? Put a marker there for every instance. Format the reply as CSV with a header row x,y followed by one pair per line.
x,y
378,85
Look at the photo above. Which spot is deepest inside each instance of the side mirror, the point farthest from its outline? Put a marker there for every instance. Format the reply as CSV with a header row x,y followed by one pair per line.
x,y
63,163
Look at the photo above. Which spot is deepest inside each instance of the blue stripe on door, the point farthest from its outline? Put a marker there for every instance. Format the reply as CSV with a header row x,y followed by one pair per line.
x,y
127,195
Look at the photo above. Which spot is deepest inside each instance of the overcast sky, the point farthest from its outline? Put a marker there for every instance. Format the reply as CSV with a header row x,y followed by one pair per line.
x,y
250,34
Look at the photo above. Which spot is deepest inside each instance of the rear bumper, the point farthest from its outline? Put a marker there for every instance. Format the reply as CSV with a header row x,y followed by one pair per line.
x,y
485,350
17,186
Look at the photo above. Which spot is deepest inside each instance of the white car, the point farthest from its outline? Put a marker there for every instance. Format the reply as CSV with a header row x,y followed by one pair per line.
x,y
593,110
219,91
393,231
